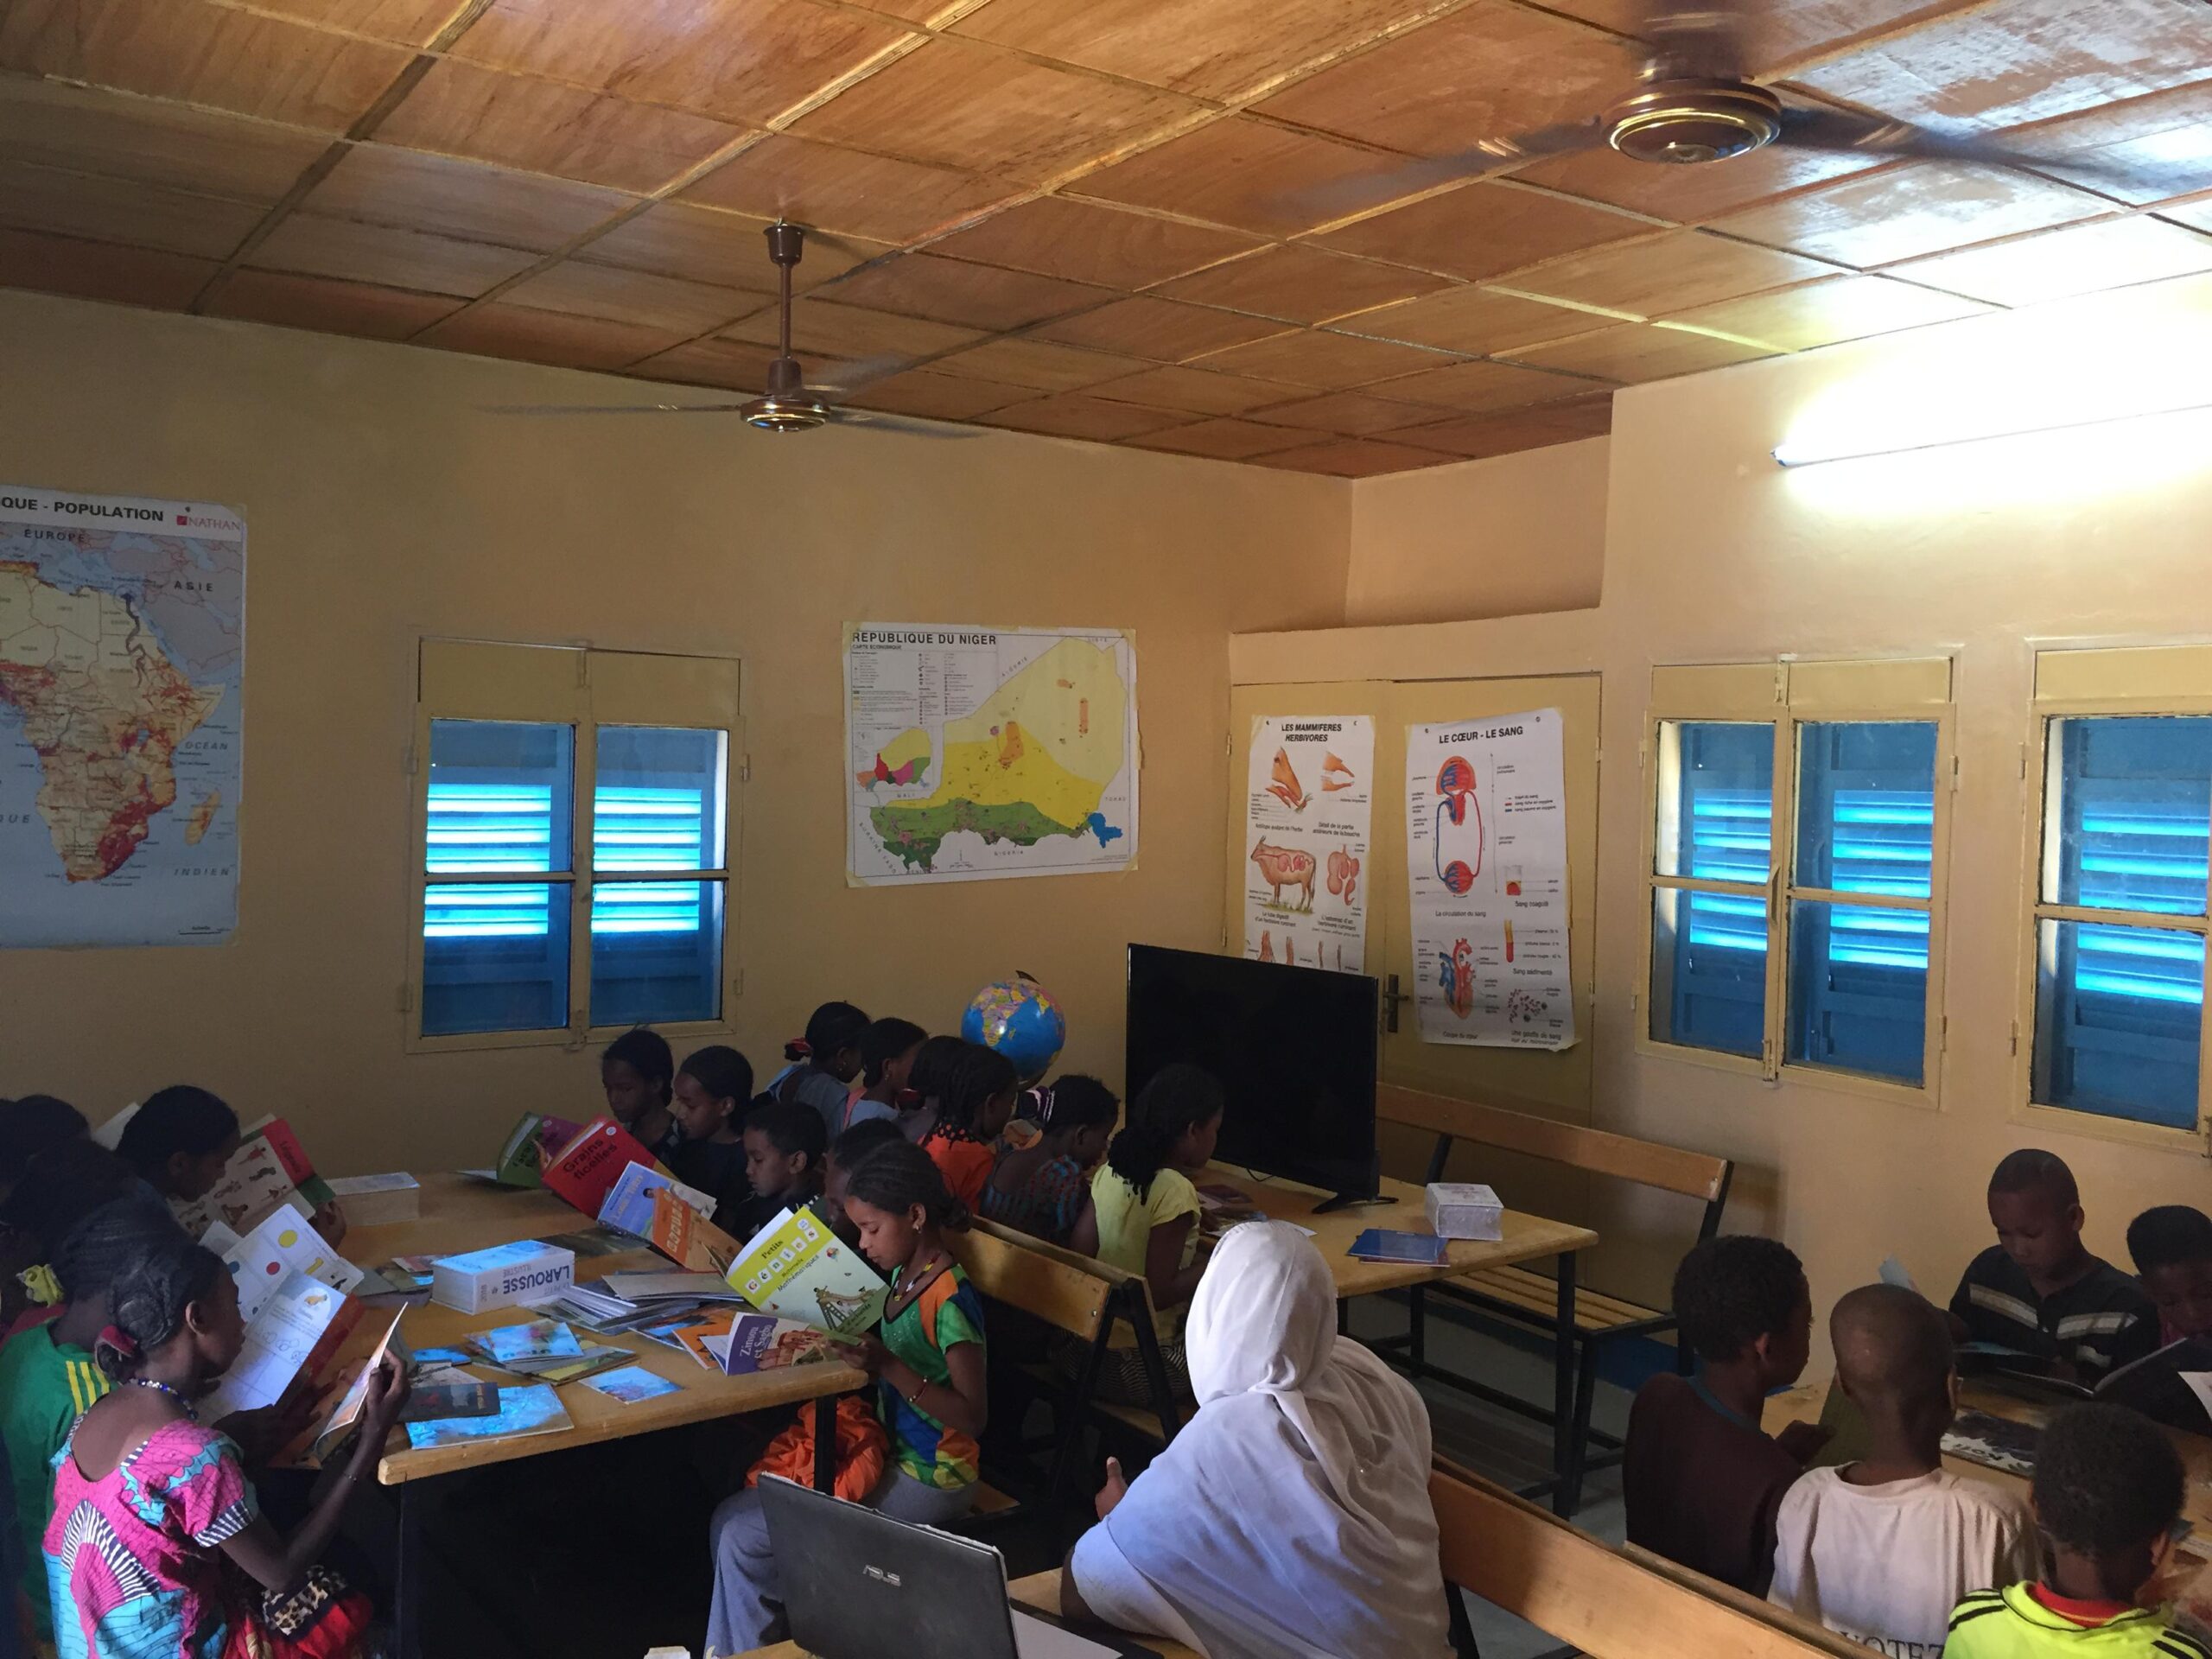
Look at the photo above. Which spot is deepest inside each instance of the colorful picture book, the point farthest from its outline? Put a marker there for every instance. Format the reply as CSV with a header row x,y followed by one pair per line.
x,y
534,1339
696,1339
268,1170
629,1203
796,1269
340,1425
687,1235
299,1328
283,1242
762,1342
535,1409
465,1398
632,1384
585,1171
531,1145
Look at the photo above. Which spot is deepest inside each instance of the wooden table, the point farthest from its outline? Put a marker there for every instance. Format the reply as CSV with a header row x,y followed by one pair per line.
x,y
1526,1238
1803,1404
458,1215
1039,1591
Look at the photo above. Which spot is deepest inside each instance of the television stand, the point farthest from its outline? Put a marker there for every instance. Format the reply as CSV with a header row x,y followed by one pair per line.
x,y
1349,1200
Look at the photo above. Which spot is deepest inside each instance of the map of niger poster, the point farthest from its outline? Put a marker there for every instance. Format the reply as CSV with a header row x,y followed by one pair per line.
x,y
975,753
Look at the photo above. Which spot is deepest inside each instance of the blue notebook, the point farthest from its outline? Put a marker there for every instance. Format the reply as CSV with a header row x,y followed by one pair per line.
x,y
1379,1245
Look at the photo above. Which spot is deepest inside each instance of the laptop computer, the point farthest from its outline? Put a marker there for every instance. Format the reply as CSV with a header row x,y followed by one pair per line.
x,y
858,1584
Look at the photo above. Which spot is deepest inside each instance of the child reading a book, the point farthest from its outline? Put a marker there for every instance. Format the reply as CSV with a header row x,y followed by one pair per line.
x,y
2107,1492
928,1361
1044,1188
712,1089
1701,1481
2038,1290
784,1150
823,1063
933,1065
638,1071
978,1099
181,1142
845,1154
2172,1249
1882,1549
887,1051
157,1546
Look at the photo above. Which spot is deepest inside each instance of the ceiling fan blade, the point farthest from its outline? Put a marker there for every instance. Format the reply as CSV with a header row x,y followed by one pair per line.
x,y
900,423
856,375
1805,128
1343,197
612,408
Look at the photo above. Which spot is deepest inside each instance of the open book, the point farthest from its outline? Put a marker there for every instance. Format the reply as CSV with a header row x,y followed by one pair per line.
x,y
797,1268
2173,1386
270,1170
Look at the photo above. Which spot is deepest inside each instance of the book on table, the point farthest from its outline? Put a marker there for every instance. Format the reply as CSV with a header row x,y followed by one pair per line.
x,y
686,1235
1382,1244
762,1342
585,1171
534,1141
379,1200
533,1410
797,1268
629,1205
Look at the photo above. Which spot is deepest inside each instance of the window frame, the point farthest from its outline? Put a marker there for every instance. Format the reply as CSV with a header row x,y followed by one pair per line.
x,y
582,688
1787,694
2084,682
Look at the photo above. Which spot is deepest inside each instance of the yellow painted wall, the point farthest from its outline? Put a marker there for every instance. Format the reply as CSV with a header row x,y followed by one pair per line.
x,y
381,507
1715,554
1498,537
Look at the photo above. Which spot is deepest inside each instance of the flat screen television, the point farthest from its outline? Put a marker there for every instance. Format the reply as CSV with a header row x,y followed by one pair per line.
x,y
1293,1048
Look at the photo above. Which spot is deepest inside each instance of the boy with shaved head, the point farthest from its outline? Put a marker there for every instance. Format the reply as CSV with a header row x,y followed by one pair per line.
x,y
2038,1290
1883,1550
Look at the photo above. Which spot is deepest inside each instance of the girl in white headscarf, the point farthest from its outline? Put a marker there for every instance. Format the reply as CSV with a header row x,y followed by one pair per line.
x,y
1290,1519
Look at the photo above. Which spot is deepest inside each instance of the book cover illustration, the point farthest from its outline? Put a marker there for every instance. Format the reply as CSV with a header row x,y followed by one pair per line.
x,y
632,1385
346,1413
629,1205
433,1401
534,1141
696,1338
585,1170
284,1242
536,1409
796,1269
533,1339
298,1329
686,1234
1994,1442
760,1342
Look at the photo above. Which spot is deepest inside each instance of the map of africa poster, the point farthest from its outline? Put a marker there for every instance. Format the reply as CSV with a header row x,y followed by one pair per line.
x,y
976,752
122,655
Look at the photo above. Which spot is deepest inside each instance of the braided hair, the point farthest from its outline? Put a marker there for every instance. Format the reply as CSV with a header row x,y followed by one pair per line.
x,y
898,1175
884,1042
150,1300
1179,1098
1074,1101
980,1076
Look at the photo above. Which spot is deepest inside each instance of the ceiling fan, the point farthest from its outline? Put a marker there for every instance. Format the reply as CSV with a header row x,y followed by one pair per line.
x,y
790,404
1695,104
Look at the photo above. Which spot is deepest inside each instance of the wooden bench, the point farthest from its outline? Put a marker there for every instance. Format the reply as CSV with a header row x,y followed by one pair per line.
x,y
1529,1300
1608,1603
1084,1300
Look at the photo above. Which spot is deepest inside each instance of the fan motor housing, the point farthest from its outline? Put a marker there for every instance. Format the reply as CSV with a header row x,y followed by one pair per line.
x,y
785,414
1684,122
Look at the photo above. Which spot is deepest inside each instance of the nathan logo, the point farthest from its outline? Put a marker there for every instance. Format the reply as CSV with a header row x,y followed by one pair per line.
x,y
205,521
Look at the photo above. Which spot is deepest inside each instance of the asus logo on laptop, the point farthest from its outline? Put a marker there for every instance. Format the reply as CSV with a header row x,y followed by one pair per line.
x,y
881,1577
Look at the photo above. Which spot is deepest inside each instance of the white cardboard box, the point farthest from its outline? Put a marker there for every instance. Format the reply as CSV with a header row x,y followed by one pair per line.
x,y
1463,1210
372,1200
500,1276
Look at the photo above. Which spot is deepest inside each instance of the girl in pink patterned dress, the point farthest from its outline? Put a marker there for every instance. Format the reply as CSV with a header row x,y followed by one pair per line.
x,y
158,1548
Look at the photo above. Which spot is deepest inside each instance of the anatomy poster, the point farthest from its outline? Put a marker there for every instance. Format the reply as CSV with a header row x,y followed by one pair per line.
x,y
1310,799
1486,863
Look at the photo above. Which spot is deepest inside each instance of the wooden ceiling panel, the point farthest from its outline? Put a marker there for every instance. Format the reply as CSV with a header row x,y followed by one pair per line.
x,y
1199,391
1349,458
1237,172
957,105
1329,361
381,185
1038,363
1208,48
821,327
1347,414
1691,195
335,308
728,365
1488,71
148,142
633,297
1484,230
2164,143
1088,242
196,52
673,238
1224,440
1904,212
520,331
315,246
1672,271
1163,330
101,271
2020,60
2196,213
746,62
940,397
568,131
1472,437
1299,284
2114,253
951,290
1476,321
117,210
1481,387
847,192
1780,32
403,22
1079,414
1831,309
1635,352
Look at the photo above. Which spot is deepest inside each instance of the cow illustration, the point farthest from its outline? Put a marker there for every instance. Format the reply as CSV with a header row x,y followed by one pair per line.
x,y
1285,867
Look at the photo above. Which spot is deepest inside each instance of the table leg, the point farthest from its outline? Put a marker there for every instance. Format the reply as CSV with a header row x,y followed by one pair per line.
x,y
1563,1348
407,1575
825,1444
